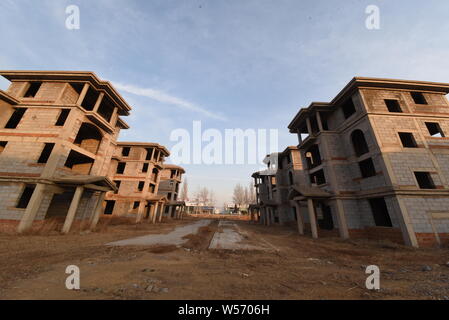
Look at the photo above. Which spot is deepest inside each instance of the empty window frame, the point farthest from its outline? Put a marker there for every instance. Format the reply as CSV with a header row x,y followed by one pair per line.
x,y
290,178
348,108
25,197
145,167
46,152
125,151
150,152
90,99
359,143
380,212
393,105
418,98
117,184
407,139
318,178
121,167
62,117
136,204
32,89
109,207
313,157
140,185
15,118
435,129
3,145
367,168
152,188
424,180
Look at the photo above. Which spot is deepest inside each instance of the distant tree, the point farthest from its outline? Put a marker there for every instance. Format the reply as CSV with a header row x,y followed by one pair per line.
x,y
252,193
211,200
239,195
185,191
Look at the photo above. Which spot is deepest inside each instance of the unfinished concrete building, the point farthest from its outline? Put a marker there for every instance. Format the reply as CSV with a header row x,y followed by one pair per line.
x,y
273,186
171,178
136,169
57,136
376,160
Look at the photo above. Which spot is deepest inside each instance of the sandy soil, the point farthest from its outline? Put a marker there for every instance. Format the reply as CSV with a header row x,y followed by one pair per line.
x,y
296,267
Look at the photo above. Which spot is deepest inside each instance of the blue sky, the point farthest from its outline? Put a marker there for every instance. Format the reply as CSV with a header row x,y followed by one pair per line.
x,y
230,64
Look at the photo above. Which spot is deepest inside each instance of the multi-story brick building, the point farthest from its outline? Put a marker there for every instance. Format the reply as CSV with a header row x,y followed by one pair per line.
x,y
376,160
57,135
273,187
136,169
171,178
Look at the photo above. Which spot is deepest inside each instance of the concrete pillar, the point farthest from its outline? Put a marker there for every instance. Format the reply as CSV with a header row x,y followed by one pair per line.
x,y
299,219
408,233
162,211
140,211
341,219
98,102
320,123
154,212
312,218
98,210
72,210
114,117
309,126
82,94
33,207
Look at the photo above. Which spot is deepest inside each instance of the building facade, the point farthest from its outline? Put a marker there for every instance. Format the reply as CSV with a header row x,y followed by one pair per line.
x,y
171,179
57,135
375,163
136,169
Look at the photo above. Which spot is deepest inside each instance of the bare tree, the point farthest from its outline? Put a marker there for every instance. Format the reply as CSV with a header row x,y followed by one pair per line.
x,y
185,191
239,195
211,200
251,193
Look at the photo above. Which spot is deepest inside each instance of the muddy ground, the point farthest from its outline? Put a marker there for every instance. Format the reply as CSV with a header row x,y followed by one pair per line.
x,y
294,267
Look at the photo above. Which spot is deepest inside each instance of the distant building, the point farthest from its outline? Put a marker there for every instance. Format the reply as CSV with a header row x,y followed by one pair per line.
x,y
136,169
171,178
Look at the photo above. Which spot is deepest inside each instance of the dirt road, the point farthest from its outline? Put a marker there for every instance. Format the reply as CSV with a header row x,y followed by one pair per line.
x,y
244,261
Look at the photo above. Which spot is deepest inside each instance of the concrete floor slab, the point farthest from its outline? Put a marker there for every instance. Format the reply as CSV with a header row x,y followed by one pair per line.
x,y
232,238
173,238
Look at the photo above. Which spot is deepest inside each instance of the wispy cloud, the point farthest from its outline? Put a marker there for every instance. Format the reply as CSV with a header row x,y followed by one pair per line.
x,y
166,98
